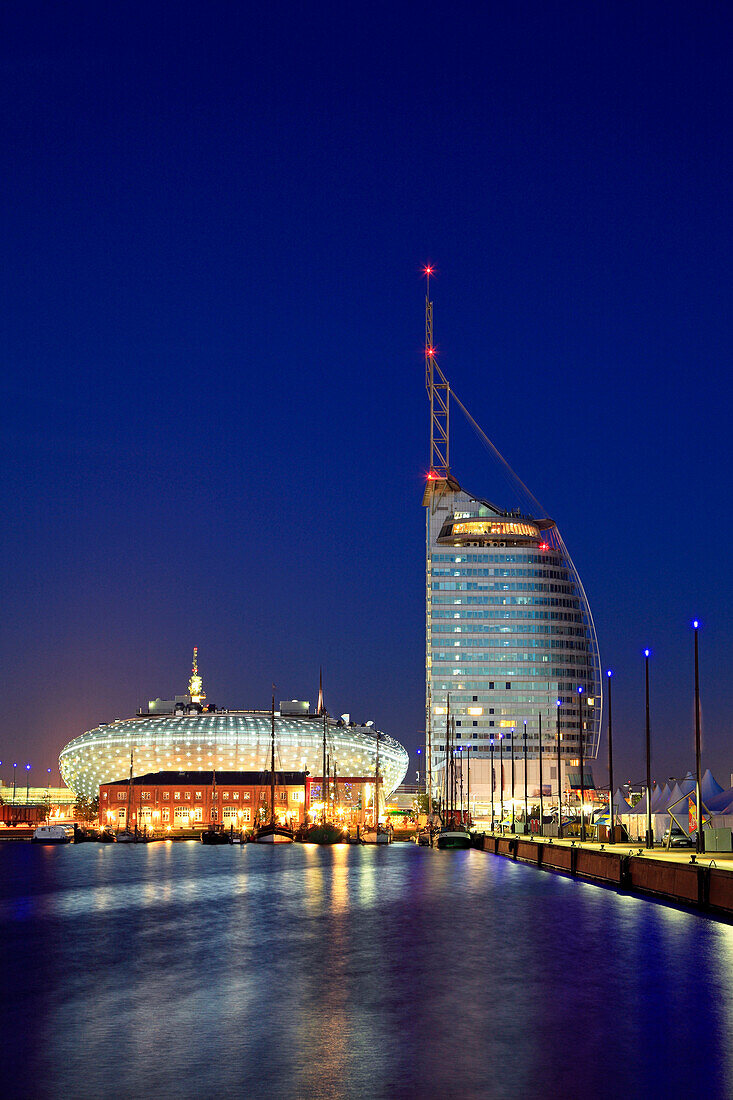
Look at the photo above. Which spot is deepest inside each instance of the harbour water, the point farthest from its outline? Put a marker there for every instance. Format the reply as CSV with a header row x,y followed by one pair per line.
x,y
185,971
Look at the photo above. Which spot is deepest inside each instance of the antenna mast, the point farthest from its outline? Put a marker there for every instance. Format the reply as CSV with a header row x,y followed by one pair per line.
x,y
439,394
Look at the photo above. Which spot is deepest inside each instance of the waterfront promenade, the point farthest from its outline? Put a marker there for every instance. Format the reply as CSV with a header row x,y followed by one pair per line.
x,y
679,876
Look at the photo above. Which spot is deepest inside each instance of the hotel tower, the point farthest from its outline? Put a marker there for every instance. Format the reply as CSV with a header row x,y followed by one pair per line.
x,y
509,633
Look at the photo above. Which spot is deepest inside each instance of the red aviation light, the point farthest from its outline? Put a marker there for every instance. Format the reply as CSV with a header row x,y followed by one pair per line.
x,y
544,546
430,352
428,270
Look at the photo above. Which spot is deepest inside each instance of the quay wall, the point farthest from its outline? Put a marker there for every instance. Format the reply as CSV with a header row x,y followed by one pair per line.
x,y
691,884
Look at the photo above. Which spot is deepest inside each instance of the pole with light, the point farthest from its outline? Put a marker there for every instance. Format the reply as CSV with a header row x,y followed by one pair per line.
x,y
559,774
491,754
610,761
649,828
542,803
514,828
501,780
582,764
700,839
27,783
526,784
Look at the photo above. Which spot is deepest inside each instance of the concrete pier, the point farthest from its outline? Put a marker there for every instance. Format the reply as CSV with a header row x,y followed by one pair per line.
x,y
677,876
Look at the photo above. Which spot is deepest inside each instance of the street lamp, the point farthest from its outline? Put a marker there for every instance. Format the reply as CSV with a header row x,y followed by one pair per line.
x,y
582,763
526,785
419,752
491,754
513,824
542,802
27,783
559,774
501,779
649,830
700,839
610,761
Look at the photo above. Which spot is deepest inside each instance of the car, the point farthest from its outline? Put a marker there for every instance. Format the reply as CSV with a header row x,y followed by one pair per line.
x,y
675,837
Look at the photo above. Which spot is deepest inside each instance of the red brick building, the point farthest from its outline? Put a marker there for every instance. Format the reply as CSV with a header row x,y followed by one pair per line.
x,y
173,801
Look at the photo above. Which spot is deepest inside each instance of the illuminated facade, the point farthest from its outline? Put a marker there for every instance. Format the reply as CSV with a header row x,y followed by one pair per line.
x,y
193,739
509,632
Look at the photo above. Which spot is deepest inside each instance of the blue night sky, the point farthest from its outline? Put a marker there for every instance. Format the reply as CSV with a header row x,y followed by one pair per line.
x,y
215,424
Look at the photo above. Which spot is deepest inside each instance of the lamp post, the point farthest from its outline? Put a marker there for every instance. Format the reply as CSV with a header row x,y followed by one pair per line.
x,y
513,822
491,754
582,764
14,773
700,839
649,829
559,775
27,783
610,761
501,780
419,752
526,785
542,803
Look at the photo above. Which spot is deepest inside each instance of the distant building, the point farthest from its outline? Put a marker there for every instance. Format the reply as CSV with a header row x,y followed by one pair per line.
x,y
184,800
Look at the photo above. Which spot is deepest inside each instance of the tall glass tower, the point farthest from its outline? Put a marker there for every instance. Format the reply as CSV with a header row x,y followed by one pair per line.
x,y
509,632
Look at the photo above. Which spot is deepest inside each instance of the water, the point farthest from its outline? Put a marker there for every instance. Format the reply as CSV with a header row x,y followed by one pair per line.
x,y
299,971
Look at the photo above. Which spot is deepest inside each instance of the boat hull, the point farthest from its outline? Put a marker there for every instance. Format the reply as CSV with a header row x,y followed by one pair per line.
x,y
453,839
273,834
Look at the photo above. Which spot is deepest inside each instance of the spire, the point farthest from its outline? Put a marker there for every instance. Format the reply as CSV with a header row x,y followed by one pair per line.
x,y
439,394
319,708
196,684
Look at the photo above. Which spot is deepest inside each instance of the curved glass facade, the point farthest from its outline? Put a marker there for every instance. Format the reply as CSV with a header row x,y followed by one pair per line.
x,y
509,629
228,741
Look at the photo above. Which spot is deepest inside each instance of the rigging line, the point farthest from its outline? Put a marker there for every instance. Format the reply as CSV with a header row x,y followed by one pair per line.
x,y
497,453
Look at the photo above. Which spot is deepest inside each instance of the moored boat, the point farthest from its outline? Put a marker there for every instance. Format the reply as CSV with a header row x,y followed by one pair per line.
x,y
453,836
270,833
53,834
214,835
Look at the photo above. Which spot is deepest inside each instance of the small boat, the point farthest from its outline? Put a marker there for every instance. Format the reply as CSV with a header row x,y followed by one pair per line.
x,y
453,836
272,833
53,834
212,835
381,835
106,836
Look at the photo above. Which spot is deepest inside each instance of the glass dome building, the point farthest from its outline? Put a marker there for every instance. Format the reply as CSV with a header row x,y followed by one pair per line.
x,y
227,740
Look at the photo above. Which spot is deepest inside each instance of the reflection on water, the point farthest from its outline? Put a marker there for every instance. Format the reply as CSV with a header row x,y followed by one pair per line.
x,y
337,972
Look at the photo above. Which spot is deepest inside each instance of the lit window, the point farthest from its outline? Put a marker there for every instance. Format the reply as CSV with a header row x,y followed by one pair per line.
x,y
146,795
188,795
121,796
475,710
177,796
198,794
246,796
235,796
166,814
166,795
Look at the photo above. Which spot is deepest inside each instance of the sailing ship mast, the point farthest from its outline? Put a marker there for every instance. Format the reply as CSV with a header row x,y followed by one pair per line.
x,y
129,796
376,788
272,762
